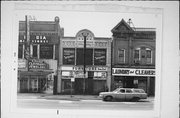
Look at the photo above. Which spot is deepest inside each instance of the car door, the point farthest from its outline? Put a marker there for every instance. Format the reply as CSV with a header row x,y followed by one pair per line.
x,y
129,94
120,95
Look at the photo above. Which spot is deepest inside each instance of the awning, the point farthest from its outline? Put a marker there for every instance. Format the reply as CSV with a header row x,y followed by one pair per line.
x,y
44,72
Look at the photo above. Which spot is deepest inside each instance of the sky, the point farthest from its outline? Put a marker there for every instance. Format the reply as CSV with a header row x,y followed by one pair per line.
x,y
100,23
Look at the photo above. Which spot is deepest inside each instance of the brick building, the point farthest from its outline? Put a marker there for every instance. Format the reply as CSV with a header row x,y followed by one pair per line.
x,y
133,57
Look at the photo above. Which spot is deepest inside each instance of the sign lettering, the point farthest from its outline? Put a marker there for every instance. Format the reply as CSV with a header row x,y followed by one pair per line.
x,y
132,72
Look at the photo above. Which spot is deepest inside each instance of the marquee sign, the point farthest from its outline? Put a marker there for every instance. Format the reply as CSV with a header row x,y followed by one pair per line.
x,y
37,64
132,72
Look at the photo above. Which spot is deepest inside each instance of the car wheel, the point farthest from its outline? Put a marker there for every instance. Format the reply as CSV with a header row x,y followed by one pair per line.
x,y
135,99
108,98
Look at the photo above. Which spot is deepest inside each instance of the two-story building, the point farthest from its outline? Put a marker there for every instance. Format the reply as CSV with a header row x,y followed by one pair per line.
x,y
133,57
38,73
84,64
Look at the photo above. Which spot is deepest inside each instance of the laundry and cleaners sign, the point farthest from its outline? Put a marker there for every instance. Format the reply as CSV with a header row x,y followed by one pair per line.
x,y
132,72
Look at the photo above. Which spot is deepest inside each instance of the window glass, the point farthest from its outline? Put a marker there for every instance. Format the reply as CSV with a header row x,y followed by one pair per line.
x,y
46,51
148,56
69,56
122,91
128,91
35,51
100,57
121,55
80,56
20,51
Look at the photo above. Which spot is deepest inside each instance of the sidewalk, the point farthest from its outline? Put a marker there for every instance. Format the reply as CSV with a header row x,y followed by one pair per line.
x,y
62,97
56,97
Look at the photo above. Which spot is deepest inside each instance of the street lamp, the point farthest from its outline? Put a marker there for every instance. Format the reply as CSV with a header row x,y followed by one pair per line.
x,y
84,65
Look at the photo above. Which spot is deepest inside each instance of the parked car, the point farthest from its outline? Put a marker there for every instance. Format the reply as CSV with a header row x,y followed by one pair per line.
x,y
127,94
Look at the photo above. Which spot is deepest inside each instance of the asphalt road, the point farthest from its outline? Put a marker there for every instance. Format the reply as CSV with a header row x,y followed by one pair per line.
x,y
84,104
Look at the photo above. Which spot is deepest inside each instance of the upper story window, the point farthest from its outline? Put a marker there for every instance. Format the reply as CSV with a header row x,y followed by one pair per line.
x,y
148,56
143,55
99,56
69,56
121,56
137,55
20,51
35,51
46,51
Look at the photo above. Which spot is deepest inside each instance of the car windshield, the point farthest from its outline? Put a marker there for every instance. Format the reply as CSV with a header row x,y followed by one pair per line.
x,y
116,90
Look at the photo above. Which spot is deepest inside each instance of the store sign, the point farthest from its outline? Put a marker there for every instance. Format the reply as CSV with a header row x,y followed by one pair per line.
x,y
80,74
40,39
38,64
21,64
93,68
132,72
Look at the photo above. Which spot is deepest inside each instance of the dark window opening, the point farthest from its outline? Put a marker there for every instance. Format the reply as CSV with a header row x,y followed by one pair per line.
x,y
46,51
20,51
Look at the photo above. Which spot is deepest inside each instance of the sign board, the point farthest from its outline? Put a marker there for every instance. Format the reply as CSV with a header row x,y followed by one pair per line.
x,y
72,79
132,72
21,64
90,68
80,74
37,64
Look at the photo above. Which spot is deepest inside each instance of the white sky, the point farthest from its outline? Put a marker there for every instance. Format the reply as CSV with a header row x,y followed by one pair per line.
x,y
100,23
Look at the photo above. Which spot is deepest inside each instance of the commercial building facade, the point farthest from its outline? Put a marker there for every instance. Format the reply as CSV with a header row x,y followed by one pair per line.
x,y
39,71
91,76
133,57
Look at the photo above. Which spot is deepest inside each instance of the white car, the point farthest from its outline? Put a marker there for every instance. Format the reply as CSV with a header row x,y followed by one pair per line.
x,y
127,94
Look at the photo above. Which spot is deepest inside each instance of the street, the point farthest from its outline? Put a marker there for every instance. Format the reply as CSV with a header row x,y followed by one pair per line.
x,y
53,103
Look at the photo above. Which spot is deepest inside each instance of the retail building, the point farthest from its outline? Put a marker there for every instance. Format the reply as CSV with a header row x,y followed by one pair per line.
x,y
38,72
133,57
91,76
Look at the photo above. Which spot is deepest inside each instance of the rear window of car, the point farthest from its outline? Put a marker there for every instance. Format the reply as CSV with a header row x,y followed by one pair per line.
x,y
139,91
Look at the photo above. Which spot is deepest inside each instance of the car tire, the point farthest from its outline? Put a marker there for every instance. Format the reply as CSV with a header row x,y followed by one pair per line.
x,y
135,99
108,98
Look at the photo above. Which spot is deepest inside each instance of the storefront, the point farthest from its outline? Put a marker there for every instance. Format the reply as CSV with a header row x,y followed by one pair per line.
x,y
134,78
38,56
74,80
39,78
94,56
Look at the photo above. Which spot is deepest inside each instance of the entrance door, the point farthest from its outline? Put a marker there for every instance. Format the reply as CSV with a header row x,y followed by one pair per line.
x,y
33,84
79,85
24,84
129,82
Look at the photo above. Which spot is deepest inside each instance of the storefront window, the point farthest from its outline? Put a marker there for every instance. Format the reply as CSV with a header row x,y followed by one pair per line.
x,y
46,51
20,51
121,55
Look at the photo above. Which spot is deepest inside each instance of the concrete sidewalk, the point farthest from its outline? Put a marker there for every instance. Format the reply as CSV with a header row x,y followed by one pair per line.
x,y
56,97
62,97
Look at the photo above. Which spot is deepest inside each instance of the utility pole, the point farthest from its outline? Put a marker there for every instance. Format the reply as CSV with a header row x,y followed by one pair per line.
x,y
27,41
84,65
